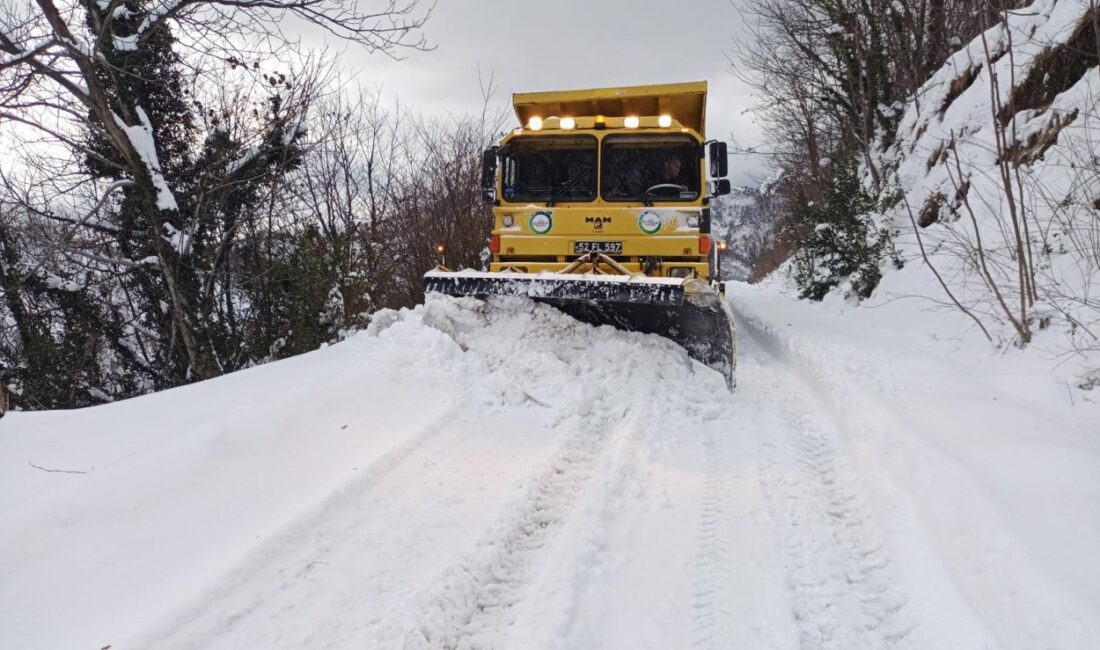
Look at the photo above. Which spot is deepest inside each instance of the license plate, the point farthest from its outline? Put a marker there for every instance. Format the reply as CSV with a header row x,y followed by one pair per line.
x,y
581,247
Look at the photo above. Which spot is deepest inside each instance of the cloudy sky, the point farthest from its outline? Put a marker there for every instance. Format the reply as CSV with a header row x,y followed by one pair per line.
x,y
529,46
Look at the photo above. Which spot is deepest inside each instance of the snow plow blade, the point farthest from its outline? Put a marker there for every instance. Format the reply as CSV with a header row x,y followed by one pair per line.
x,y
688,312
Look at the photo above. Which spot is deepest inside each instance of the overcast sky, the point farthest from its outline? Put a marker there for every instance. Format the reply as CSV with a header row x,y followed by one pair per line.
x,y
564,44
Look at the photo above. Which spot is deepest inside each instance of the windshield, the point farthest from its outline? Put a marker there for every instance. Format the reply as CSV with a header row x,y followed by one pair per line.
x,y
550,168
650,168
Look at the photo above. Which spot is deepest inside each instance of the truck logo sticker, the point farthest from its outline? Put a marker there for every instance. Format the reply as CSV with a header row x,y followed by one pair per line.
x,y
541,222
649,222
597,222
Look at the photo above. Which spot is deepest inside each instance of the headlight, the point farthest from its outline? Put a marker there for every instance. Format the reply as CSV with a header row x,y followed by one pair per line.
x,y
535,123
693,221
568,123
507,220
664,121
631,122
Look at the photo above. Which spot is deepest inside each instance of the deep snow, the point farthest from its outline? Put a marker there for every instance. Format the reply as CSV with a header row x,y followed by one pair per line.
x,y
464,476
944,167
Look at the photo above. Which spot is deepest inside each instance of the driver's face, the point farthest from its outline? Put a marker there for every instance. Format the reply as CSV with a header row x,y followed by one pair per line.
x,y
672,167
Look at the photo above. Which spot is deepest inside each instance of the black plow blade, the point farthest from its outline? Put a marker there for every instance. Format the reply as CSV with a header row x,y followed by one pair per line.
x,y
688,312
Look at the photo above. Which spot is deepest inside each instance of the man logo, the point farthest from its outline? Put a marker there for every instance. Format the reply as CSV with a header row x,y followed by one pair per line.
x,y
597,222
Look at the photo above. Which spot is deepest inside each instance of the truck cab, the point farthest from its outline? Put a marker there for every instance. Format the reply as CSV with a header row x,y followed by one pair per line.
x,y
626,173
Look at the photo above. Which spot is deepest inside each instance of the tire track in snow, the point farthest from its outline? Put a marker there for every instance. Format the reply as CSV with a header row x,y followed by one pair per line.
x,y
473,607
845,591
710,596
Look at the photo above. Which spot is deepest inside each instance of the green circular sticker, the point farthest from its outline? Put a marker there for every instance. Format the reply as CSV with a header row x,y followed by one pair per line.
x,y
541,223
649,222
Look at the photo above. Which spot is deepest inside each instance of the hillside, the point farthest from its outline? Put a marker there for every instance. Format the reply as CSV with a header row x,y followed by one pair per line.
x,y
742,220
996,162
988,201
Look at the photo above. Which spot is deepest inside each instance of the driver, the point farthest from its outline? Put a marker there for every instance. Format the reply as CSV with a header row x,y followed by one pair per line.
x,y
669,178
671,168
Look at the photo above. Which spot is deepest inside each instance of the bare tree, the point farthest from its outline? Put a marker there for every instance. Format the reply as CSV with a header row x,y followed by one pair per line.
x,y
172,121
833,76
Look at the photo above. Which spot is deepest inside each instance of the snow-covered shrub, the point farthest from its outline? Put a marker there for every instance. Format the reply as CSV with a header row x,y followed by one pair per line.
x,y
838,241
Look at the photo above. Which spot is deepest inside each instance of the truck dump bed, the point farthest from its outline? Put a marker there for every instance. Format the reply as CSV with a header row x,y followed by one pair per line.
x,y
687,102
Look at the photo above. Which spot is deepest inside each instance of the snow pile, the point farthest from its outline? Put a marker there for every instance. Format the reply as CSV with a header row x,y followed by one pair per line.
x,y
119,521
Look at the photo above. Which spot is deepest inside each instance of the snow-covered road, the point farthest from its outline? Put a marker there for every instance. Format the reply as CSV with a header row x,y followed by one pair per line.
x,y
463,477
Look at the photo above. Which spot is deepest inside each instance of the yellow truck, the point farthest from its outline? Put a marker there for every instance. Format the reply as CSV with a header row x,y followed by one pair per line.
x,y
601,206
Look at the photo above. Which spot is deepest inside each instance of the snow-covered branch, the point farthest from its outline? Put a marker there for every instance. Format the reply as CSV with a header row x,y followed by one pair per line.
x,y
142,140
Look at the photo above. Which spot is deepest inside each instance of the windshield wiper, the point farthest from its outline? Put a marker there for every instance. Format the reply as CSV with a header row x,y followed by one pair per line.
x,y
567,186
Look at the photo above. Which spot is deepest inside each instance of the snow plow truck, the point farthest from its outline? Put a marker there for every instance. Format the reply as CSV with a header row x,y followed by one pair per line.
x,y
601,206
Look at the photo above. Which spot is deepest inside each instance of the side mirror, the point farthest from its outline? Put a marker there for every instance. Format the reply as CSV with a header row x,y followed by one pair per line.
x,y
489,175
721,187
719,162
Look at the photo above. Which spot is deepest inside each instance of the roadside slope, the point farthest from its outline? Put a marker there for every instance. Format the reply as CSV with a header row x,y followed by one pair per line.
x,y
984,469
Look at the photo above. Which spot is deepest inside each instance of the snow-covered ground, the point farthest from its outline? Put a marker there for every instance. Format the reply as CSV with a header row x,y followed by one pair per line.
x,y
472,477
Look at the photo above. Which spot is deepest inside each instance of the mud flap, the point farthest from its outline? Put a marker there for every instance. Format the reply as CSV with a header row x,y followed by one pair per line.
x,y
688,312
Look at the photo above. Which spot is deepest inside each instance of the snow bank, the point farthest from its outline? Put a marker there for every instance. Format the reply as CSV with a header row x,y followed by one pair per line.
x,y
117,521
175,488
985,469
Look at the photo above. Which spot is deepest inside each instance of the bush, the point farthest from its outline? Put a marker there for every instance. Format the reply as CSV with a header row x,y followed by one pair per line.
x,y
837,240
